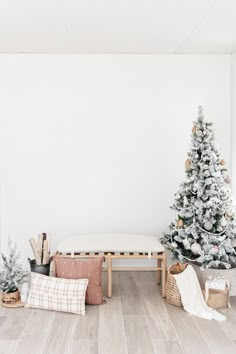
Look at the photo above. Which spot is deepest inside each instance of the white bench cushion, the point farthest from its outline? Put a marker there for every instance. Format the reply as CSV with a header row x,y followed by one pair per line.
x,y
111,243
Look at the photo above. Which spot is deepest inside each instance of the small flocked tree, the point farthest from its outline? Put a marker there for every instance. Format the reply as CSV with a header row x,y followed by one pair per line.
x,y
11,274
204,230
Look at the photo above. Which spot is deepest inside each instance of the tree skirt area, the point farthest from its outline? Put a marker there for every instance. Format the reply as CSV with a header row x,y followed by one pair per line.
x,y
228,274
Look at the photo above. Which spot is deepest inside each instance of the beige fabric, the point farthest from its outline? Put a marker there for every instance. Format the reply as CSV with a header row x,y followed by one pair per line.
x,y
111,243
49,293
192,297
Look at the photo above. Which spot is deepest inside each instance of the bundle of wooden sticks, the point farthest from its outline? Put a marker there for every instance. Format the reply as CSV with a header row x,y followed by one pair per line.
x,y
41,248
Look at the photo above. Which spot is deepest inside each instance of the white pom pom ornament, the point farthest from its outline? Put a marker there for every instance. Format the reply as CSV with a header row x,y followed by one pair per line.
x,y
208,225
196,248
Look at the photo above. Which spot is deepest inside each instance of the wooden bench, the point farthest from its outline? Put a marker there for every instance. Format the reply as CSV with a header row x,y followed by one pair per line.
x,y
117,246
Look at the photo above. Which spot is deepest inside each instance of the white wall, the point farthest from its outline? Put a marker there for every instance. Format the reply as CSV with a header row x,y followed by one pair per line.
x,y
233,122
97,143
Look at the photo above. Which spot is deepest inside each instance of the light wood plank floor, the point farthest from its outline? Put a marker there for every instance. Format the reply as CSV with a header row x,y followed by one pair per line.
x,y
135,320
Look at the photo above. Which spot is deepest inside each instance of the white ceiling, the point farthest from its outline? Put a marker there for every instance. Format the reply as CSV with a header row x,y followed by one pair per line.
x,y
121,26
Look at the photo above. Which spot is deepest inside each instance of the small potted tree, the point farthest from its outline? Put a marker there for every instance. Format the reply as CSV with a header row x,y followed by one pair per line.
x,y
11,275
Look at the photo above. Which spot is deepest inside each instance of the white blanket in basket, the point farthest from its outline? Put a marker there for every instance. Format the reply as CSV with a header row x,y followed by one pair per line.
x,y
192,297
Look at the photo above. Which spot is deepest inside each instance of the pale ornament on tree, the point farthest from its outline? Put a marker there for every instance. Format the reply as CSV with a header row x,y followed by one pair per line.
x,y
208,226
228,215
196,248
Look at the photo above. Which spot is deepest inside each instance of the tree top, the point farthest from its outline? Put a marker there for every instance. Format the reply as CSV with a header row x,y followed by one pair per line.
x,y
200,113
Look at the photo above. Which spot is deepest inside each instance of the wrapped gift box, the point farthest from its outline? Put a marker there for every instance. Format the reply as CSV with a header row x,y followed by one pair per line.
x,y
217,298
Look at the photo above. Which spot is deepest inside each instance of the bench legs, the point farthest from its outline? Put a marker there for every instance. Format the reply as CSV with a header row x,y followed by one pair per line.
x,y
109,275
163,275
159,271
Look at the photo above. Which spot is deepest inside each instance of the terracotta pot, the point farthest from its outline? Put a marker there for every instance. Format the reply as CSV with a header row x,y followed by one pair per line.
x,y
10,298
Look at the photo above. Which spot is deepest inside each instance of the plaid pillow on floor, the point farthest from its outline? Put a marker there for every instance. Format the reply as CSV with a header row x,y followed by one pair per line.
x,y
57,294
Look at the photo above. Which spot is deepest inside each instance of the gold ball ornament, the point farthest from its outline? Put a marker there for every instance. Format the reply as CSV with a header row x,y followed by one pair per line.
x,y
187,165
228,215
194,129
222,162
180,223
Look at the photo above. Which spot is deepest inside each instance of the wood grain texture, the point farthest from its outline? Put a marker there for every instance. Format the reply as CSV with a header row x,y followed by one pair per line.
x,y
137,335
170,346
111,329
87,326
2,319
229,326
60,335
130,299
189,335
159,323
36,332
215,337
84,347
8,346
14,324
144,277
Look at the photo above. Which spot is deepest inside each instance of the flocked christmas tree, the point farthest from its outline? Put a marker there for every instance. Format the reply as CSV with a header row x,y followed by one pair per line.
x,y
205,227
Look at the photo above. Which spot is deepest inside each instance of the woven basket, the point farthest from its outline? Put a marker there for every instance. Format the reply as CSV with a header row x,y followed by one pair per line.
x,y
10,298
172,292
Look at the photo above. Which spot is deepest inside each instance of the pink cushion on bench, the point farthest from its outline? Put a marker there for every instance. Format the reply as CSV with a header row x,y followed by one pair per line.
x,y
71,268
